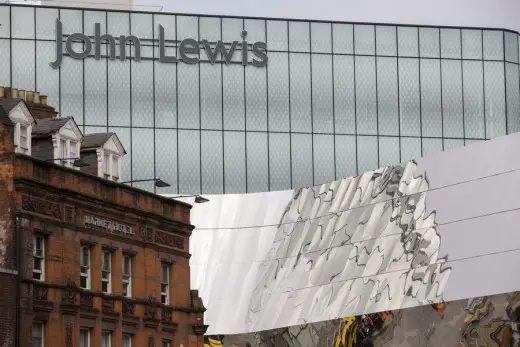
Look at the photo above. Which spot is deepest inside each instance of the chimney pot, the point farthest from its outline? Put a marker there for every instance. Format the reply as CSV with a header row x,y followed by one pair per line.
x,y
29,96
21,94
36,97
43,99
2,92
14,93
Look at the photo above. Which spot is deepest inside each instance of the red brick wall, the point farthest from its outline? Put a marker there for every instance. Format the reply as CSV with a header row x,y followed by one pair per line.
x,y
8,312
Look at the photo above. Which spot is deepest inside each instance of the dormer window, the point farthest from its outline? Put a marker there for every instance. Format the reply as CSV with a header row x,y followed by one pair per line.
x,y
111,166
24,139
22,121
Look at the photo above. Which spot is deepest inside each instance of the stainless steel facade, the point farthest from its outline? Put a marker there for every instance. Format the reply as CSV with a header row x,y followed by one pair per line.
x,y
335,98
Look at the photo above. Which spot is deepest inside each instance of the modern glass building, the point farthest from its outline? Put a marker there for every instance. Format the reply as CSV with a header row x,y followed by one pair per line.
x,y
334,99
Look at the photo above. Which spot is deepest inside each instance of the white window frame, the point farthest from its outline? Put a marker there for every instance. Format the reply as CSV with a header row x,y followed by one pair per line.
x,y
165,285
18,137
107,168
73,153
166,343
39,257
105,334
67,148
127,277
87,331
115,167
41,327
130,340
85,268
106,271
110,166
63,151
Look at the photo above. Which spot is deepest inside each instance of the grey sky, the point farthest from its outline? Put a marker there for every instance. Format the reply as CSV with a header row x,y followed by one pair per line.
x,y
481,13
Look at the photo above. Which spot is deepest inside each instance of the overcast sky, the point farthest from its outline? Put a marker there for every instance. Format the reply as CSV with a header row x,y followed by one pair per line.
x,y
478,13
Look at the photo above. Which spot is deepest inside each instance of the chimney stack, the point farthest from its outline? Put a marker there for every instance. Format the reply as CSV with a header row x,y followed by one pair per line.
x,y
36,104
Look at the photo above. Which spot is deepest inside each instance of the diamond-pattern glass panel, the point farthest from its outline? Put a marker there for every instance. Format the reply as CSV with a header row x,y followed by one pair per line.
x,y
189,162
234,107
277,37
408,41
344,95
473,99
96,91
513,98
118,23
471,141
451,43
471,44
321,38
345,156
47,79
90,18
299,37
5,61
301,160
429,42
257,162
386,40
431,146
23,64
118,93
453,144
166,158
388,151
343,38
278,91
368,156
279,161
211,96
5,19
322,109
452,98
234,162
168,23
511,41
141,25
409,98
410,148
45,23
188,28
495,99
165,95
143,157
323,159
124,136
364,39
366,98
387,96
212,157
209,29
93,130
232,29
255,30
256,99
22,26
188,96
71,87
431,107
142,94
493,45
300,97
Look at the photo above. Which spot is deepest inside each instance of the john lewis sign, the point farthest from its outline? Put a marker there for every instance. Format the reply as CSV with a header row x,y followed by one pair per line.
x,y
189,49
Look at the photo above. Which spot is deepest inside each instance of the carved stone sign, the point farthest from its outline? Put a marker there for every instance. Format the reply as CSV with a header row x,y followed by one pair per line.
x,y
40,206
108,226
169,240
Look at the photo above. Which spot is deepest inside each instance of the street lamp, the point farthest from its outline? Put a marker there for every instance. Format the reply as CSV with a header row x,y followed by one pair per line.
x,y
77,161
158,183
198,199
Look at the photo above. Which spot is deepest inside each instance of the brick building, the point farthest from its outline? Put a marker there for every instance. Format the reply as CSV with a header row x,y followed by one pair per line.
x,y
85,260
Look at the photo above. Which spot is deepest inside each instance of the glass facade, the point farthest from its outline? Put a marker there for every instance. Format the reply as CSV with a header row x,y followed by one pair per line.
x,y
335,99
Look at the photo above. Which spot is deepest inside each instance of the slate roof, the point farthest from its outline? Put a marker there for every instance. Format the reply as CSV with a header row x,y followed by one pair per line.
x,y
4,117
46,127
9,104
95,140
